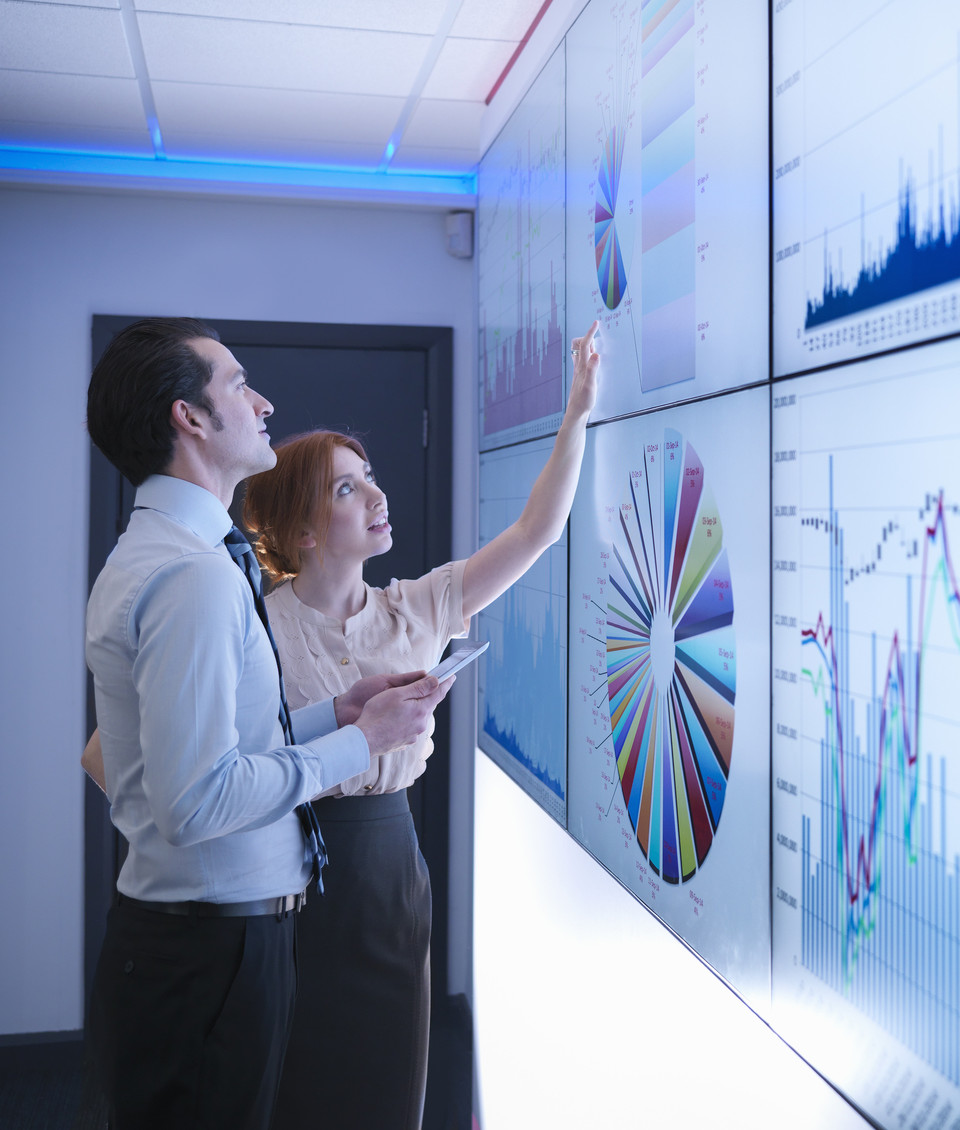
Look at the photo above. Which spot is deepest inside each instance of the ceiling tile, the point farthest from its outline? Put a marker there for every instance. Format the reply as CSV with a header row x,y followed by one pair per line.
x,y
292,114
420,18
81,3
499,19
271,150
30,96
442,123
58,37
78,138
185,49
466,69
425,160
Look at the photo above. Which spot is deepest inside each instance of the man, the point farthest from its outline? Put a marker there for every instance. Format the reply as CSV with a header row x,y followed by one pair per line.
x,y
194,989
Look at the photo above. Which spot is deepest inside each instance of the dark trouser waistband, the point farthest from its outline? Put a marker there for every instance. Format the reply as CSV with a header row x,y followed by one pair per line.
x,y
283,904
363,806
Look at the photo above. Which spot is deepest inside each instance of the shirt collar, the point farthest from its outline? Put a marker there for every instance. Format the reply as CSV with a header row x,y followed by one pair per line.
x,y
193,505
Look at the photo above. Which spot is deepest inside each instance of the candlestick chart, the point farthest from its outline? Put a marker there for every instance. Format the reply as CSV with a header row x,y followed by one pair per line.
x,y
867,722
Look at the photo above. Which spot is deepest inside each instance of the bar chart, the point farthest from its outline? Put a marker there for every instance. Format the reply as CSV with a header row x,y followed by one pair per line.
x,y
522,685
666,143
668,202
866,179
520,241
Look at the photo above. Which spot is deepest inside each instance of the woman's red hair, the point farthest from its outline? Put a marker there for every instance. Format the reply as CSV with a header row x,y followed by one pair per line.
x,y
297,493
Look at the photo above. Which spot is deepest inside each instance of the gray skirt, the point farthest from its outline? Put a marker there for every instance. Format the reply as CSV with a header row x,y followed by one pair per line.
x,y
357,1055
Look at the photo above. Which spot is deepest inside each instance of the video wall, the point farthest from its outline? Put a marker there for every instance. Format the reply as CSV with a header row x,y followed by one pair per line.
x,y
734,681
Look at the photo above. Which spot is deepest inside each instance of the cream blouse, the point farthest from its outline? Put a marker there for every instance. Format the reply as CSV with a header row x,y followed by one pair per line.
x,y
404,627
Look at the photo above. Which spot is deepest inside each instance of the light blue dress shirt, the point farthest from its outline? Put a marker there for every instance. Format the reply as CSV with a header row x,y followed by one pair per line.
x,y
200,781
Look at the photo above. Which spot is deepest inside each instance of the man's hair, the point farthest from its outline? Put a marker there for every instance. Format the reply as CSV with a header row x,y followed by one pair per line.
x,y
148,365
296,493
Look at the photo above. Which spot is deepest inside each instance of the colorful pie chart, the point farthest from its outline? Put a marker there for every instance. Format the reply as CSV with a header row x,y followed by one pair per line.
x,y
671,658
611,272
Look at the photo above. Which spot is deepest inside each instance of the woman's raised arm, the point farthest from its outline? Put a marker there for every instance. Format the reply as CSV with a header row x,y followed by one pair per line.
x,y
495,566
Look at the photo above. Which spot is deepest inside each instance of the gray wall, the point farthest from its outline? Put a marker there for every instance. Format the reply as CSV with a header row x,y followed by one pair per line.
x,y
64,256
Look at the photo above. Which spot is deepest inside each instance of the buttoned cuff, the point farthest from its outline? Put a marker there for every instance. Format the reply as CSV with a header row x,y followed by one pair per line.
x,y
312,721
342,755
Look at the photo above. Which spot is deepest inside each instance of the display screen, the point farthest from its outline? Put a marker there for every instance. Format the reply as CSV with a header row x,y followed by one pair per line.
x,y
667,205
523,679
520,233
866,725
866,178
669,671
761,667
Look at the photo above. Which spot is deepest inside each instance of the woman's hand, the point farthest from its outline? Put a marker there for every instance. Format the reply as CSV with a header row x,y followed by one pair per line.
x,y
586,365
348,706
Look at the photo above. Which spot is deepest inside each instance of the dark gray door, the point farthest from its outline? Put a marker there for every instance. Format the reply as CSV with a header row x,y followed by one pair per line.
x,y
378,395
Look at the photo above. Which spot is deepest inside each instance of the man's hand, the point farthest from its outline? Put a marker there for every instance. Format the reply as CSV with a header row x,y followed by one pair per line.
x,y
396,717
92,760
347,706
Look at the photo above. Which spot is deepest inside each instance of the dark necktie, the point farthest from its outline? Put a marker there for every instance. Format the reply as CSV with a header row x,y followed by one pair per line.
x,y
242,553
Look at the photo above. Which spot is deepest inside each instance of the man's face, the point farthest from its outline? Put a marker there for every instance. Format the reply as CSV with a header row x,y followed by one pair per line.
x,y
238,441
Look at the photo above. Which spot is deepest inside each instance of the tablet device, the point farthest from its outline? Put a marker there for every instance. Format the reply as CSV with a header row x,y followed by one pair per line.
x,y
464,652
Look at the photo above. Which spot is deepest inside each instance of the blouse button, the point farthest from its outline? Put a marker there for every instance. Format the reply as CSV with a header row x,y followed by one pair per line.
x,y
344,661
368,787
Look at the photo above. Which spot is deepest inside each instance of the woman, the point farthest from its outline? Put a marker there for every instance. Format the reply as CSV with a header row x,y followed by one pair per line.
x,y
358,1052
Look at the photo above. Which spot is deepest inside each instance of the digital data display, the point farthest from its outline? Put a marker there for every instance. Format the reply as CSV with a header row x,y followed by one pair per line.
x,y
523,679
667,204
669,672
520,234
735,680
866,178
866,729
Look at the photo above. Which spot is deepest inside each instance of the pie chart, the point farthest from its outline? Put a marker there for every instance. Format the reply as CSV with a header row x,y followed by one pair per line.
x,y
611,273
671,658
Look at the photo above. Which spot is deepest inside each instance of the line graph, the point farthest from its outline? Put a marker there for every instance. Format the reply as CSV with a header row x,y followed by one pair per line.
x,y
866,663
877,818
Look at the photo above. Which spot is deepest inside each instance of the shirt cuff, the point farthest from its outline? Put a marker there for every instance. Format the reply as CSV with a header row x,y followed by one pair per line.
x,y
312,721
342,755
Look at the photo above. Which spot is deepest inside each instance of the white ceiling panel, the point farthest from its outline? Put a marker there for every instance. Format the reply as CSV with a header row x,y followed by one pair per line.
x,y
318,83
235,112
30,96
78,137
80,3
238,53
466,69
270,150
509,19
418,17
435,160
57,37
454,125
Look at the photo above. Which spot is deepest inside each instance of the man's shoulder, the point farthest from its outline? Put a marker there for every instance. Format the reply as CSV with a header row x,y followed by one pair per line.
x,y
156,543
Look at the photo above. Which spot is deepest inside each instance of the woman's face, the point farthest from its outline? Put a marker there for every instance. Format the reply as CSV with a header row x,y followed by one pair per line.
x,y
358,511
